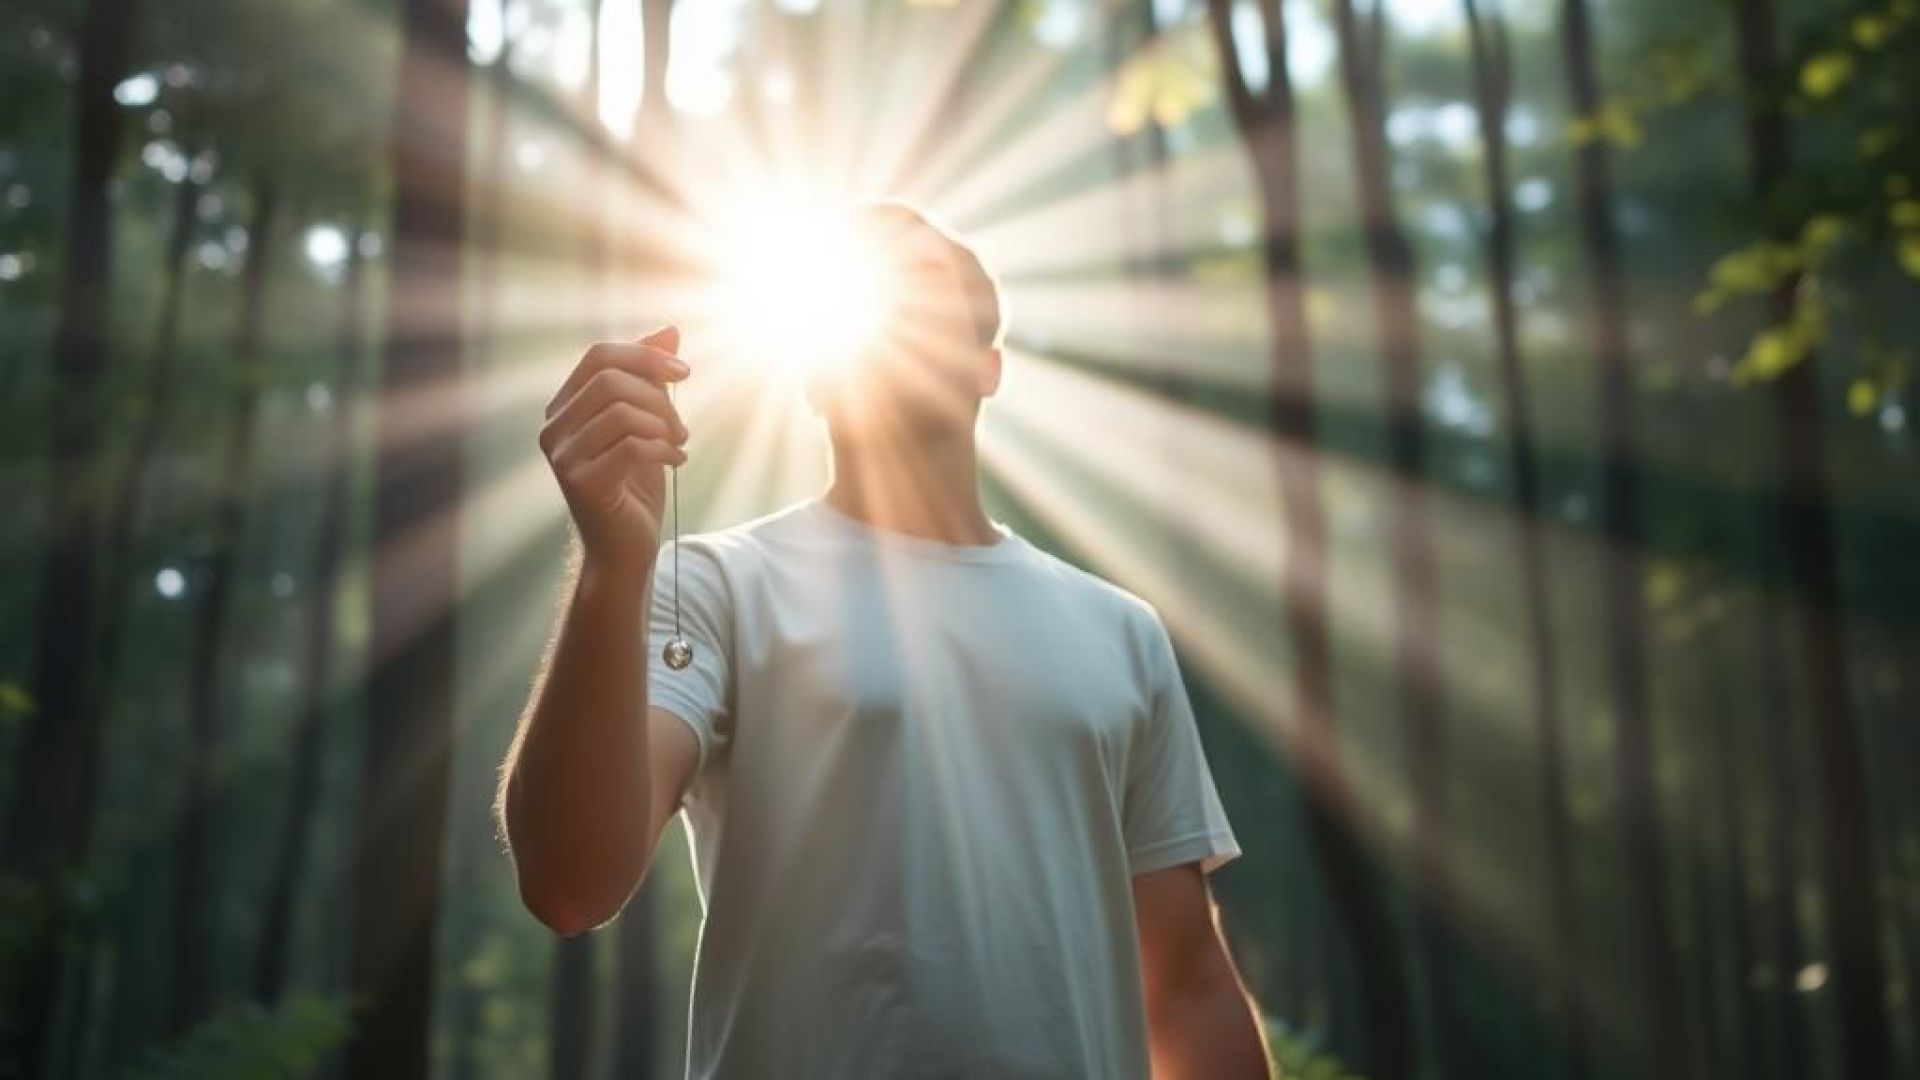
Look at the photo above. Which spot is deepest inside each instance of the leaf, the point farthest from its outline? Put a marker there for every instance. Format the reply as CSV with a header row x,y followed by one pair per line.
x,y
1818,236
1862,397
14,698
1872,31
1877,141
1823,75
1772,352
1909,253
1665,583
1614,122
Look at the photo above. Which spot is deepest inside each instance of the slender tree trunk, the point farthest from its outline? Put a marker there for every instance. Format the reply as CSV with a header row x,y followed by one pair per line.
x,y
156,404
1419,683
636,1044
1621,531
122,512
1492,93
1695,866
417,489
190,994
50,822
576,983
1786,1014
656,50
1267,122
316,659
570,1049
1848,875
493,194
1728,897
637,1041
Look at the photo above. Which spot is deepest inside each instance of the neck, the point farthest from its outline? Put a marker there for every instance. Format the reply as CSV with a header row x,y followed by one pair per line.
x,y
922,487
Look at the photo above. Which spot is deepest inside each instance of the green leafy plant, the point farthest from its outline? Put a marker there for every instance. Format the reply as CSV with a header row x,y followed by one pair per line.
x,y
249,1042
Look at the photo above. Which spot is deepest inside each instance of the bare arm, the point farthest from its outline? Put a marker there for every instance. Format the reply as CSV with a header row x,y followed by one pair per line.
x,y
594,773
1200,1020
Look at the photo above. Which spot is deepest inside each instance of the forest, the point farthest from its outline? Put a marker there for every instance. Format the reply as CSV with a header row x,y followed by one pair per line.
x,y
1509,405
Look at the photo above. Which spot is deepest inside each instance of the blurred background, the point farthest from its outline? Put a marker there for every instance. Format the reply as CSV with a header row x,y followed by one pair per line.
x,y
1508,404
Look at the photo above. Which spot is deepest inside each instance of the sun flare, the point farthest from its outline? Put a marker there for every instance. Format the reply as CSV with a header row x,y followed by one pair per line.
x,y
800,287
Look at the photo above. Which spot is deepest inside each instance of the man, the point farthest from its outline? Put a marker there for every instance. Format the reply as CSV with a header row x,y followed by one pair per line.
x,y
946,800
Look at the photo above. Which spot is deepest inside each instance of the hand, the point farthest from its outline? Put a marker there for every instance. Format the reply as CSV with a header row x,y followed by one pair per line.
x,y
610,432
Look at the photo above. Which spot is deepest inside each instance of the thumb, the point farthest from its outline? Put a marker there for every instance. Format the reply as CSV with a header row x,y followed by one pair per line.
x,y
666,338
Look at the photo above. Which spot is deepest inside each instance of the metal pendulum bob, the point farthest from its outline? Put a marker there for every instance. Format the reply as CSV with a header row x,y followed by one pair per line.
x,y
677,652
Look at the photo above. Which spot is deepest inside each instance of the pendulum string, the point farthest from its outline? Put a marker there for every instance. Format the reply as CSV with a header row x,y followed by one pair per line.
x,y
677,652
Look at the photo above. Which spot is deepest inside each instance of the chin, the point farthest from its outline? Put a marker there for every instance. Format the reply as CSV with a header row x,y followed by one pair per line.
x,y
915,417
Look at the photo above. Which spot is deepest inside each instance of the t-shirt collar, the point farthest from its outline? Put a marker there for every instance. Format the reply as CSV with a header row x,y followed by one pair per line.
x,y
843,523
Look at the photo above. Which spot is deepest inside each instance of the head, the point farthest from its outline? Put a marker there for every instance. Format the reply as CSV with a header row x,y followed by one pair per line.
x,y
936,355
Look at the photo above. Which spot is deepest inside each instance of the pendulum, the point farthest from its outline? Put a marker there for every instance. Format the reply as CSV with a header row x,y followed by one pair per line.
x,y
677,652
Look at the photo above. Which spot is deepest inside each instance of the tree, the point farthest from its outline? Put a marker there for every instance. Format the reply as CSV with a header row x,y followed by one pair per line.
x,y
417,490
1622,536
317,655
155,405
190,994
1848,875
50,821
1419,685
1492,96
576,984
1267,123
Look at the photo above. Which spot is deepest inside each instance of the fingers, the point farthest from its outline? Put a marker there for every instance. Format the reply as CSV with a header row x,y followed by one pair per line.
x,y
651,358
609,387
620,420
619,461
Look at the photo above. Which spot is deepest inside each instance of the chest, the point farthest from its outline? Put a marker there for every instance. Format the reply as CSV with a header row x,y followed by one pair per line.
x,y
941,656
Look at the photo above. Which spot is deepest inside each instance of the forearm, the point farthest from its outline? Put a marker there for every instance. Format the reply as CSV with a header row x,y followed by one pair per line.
x,y
576,793
1206,1029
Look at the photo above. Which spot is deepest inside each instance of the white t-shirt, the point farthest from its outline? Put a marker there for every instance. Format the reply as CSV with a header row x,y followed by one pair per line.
x,y
928,773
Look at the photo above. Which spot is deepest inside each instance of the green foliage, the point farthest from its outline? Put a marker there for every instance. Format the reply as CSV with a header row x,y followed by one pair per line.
x,y
1615,122
1297,1055
1164,84
248,1042
1760,268
16,704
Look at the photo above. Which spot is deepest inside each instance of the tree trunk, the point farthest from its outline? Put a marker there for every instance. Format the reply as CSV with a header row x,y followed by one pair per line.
x,y
316,659
636,1037
1419,682
1787,1017
155,405
492,193
50,821
1621,529
1267,124
576,987
1848,875
1724,855
570,1046
656,49
636,1045
422,421
1492,93
118,582
190,992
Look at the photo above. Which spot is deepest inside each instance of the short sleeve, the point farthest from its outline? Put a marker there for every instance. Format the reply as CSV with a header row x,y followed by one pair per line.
x,y
1171,812
700,694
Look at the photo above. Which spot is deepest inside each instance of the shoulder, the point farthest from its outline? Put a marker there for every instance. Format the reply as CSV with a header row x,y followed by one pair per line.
x,y
1114,604
729,545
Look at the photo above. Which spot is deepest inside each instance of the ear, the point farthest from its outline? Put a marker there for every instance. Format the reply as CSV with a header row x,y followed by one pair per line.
x,y
990,373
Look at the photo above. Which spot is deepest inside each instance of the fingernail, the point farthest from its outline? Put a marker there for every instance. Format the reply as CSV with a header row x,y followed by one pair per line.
x,y
680,368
